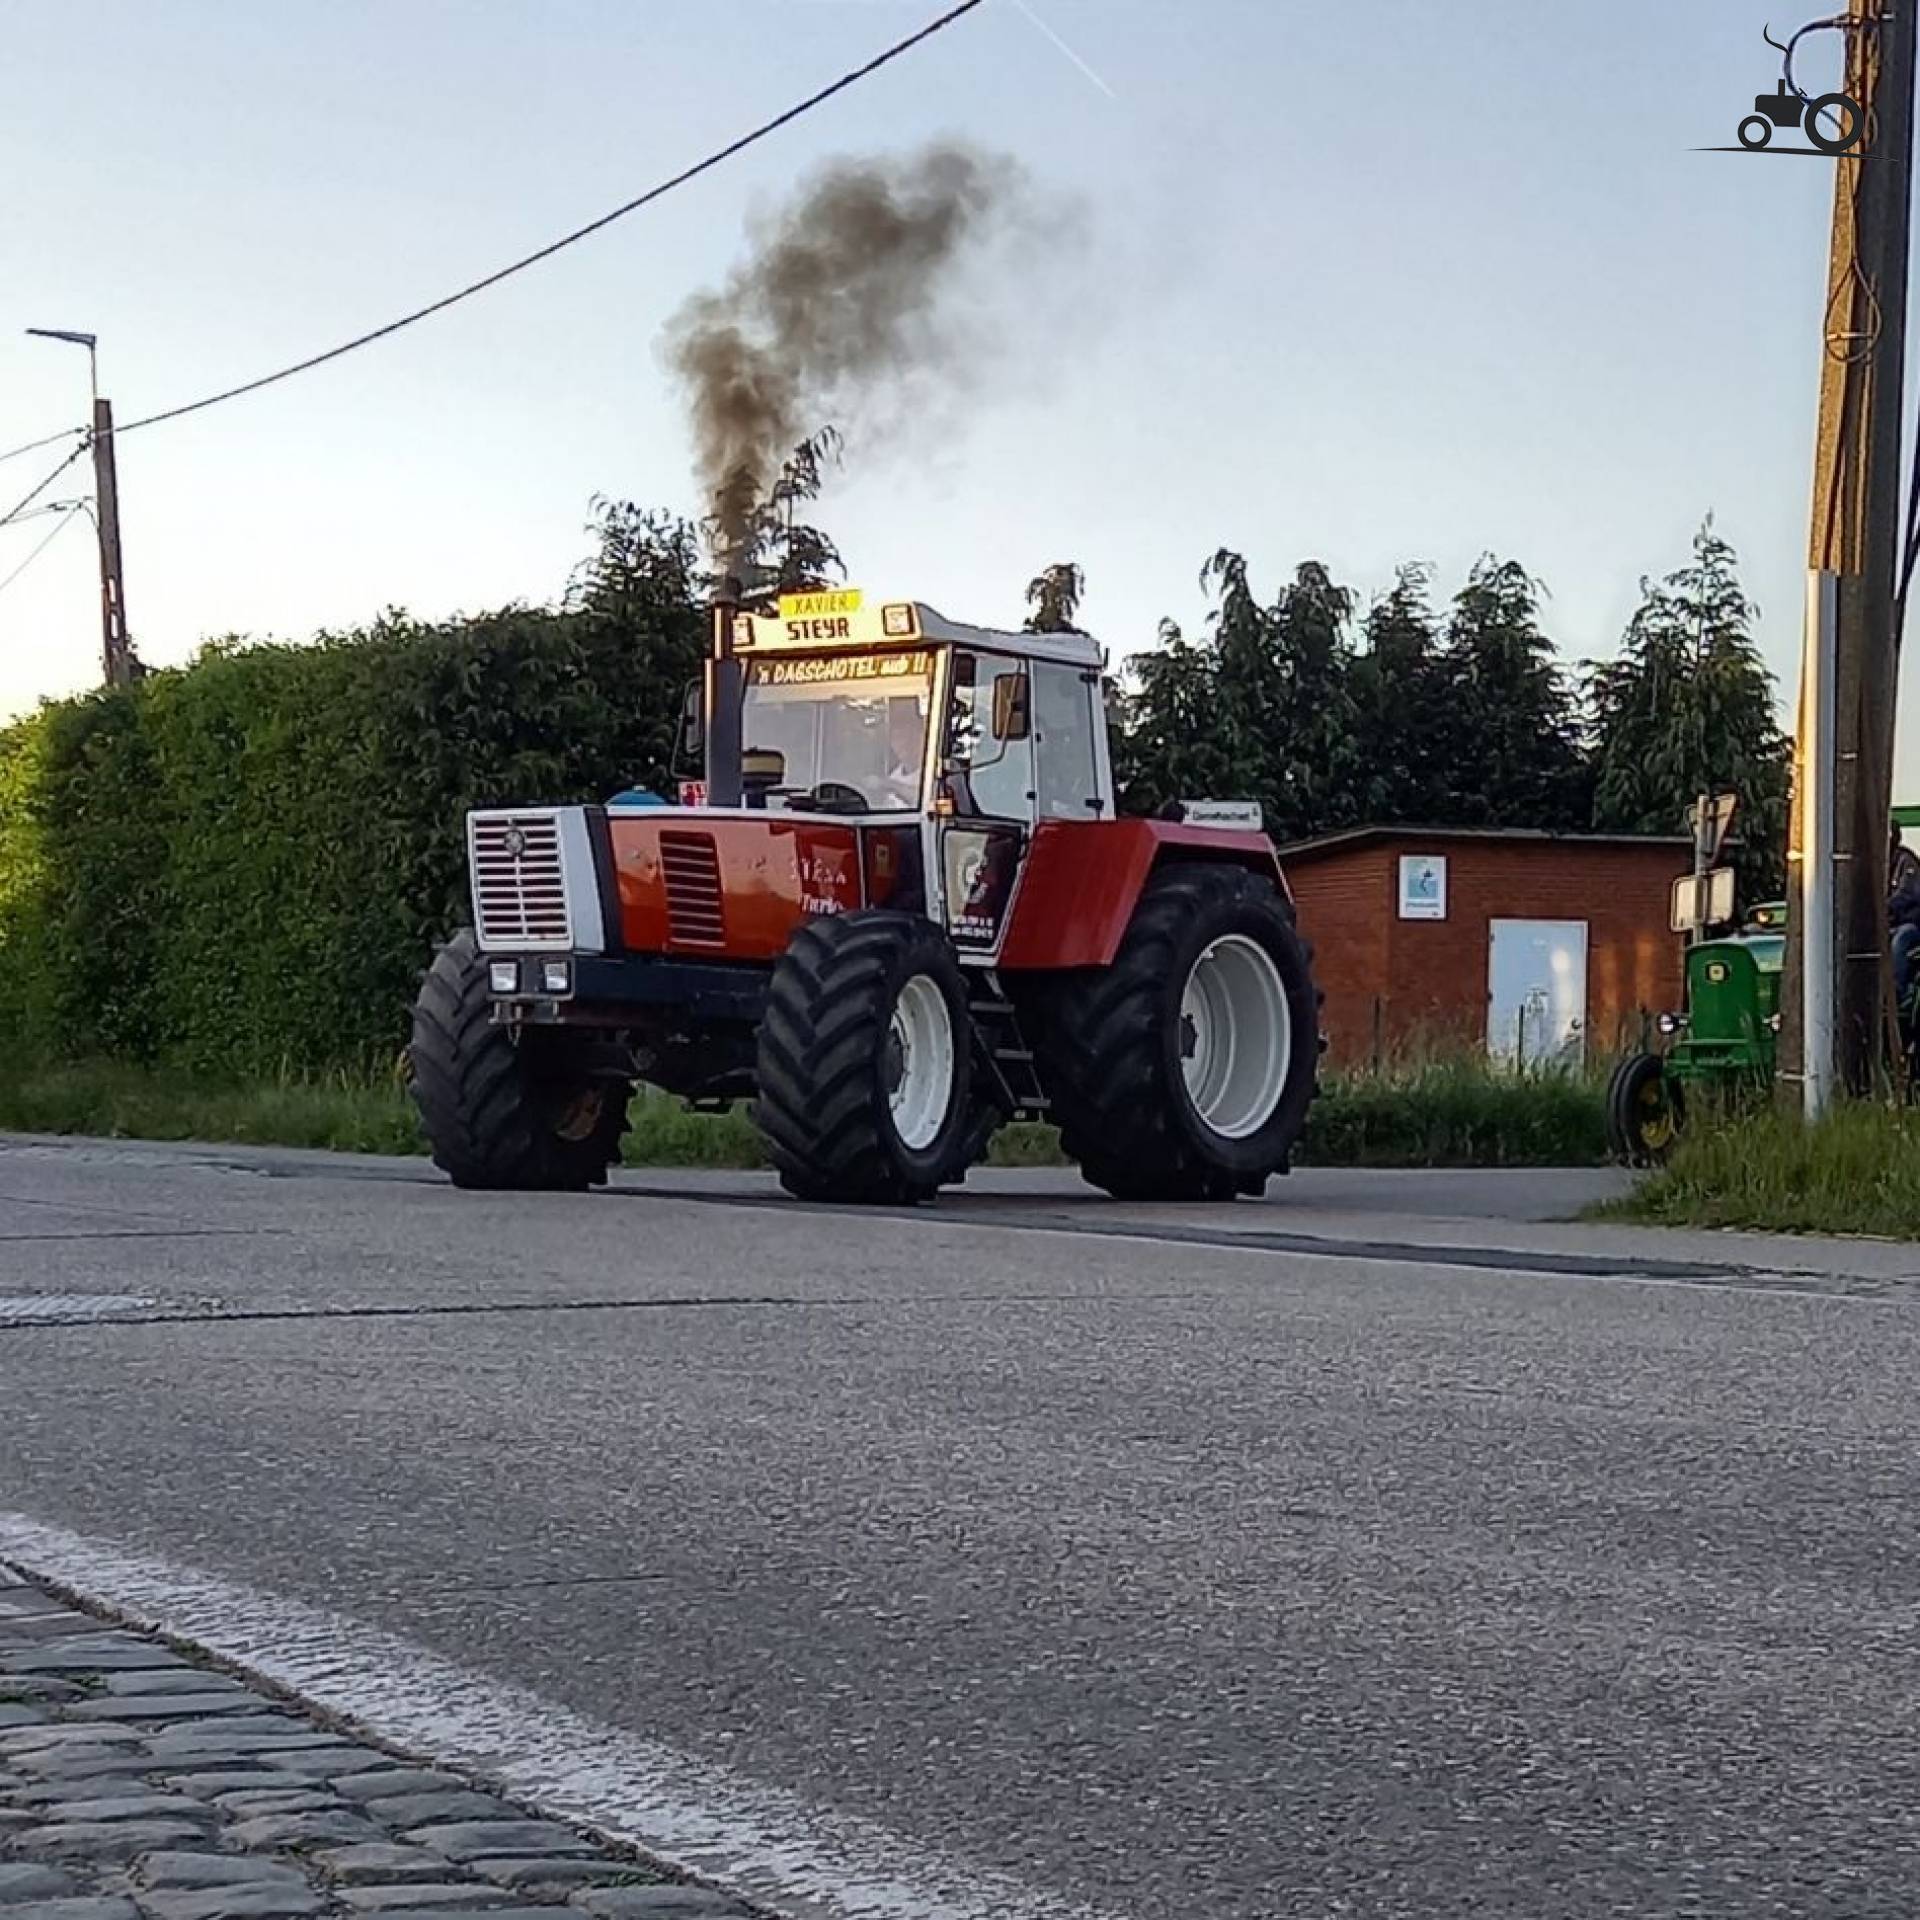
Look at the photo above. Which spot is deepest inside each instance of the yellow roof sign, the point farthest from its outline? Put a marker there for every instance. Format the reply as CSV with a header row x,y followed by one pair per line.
x,y
836,617
819,606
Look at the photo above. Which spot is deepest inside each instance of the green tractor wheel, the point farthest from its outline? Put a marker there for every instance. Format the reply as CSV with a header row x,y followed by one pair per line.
x,y
1645,1108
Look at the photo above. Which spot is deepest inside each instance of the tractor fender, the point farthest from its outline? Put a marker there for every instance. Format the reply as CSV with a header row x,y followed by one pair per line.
x,y
1083,879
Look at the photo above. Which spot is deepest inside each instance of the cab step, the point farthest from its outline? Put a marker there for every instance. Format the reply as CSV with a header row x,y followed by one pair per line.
x,y
1013,1070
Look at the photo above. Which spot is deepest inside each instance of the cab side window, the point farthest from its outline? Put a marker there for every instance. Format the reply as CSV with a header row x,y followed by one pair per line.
x,y
992,742
1063,738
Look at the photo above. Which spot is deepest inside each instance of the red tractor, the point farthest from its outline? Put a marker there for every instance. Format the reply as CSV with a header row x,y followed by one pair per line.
x,y
902,913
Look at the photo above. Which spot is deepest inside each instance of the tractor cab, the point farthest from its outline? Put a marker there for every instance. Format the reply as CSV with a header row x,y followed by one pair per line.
x,y
854,709
889,755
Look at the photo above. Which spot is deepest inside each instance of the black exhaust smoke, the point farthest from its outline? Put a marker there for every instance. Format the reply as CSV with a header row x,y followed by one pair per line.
x,y
840,311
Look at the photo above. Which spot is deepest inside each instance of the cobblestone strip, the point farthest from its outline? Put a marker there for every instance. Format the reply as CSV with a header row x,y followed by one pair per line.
x,y
137,1785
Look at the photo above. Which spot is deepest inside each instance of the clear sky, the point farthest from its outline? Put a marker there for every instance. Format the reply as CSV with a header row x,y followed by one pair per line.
x,y
1412,279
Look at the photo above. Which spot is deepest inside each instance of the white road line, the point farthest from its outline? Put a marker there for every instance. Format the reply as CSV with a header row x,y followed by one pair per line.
x,y
68,1309
765,1844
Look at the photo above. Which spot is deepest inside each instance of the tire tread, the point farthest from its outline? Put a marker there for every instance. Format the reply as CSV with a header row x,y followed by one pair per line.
x,y
1102,1054
828,1009
470,1084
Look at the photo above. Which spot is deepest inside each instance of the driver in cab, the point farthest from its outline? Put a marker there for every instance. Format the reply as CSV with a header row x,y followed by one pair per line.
x,y
905,755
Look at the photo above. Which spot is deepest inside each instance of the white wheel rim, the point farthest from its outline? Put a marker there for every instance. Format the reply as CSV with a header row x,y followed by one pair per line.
x,y
1236,1036
920,1049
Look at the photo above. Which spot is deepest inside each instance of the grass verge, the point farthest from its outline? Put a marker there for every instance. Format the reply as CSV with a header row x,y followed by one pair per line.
x,y
117,1101
1457,1112
1439,1113
1856,1170
110,1100
344,1114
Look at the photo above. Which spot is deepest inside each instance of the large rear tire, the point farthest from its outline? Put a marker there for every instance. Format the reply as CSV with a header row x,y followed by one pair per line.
x,y
1185,1069
864,1067
505,1111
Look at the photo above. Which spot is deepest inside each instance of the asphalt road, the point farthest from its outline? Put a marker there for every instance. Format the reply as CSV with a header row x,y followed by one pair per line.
x,y
1371,1552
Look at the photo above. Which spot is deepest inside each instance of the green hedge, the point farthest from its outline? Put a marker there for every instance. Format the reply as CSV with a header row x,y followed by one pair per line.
x,y
240,866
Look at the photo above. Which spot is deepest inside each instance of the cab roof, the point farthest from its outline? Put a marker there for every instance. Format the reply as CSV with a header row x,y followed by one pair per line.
x,y
851,617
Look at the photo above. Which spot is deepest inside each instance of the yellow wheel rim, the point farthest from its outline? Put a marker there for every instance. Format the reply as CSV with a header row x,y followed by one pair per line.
x,y
1655,1126
578,1118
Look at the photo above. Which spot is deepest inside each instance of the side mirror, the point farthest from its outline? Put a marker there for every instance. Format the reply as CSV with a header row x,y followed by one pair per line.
x,y
690,743
762,768
1011,710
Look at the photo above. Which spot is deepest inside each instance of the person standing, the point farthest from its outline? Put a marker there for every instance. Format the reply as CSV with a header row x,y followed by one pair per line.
x,y
1903,917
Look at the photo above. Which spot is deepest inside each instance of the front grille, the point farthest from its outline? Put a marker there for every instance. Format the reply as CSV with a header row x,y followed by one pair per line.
x,y
519,880
694,914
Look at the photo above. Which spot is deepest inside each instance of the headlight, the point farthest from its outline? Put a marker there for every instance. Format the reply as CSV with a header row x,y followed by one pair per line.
x,y
1671,1022
1773,1020
503,976
556,976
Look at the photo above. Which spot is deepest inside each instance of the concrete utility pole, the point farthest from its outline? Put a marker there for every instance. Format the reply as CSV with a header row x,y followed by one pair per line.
x,y
1807,1017
115,653
1853,557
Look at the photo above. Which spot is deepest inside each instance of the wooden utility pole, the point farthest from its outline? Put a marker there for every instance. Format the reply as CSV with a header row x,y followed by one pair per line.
x,y
1856,537
116,657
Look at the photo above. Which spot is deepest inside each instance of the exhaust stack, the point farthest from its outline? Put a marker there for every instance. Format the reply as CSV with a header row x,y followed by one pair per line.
x,y
724,699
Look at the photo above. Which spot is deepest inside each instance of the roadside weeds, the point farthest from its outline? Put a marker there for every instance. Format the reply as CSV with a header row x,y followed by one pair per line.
x,y
1855,1171
1438,1112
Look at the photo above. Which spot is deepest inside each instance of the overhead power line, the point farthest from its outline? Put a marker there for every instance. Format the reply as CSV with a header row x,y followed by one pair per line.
x,y
27,499
21,518
547,252
42,544
652,194
46,440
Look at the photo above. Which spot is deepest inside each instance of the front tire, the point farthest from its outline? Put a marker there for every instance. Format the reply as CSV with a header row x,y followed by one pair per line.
x,y
865,1061
1644,1110
1755,132
501,1111
1185,1069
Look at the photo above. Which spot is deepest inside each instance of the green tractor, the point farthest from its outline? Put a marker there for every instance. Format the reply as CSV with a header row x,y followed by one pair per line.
x,y
1720,1049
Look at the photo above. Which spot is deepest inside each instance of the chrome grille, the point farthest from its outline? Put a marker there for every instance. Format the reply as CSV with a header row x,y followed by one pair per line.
x,y
695,917
519,880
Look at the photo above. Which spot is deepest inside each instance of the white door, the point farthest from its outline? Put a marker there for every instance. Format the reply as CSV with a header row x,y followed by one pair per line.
x,y
1536,990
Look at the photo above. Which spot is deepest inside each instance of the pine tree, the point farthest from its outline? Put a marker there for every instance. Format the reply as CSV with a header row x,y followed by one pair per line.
x,y
1171,743
1318,745
1688,708
1249,689
1265,711
1400,720
1513,746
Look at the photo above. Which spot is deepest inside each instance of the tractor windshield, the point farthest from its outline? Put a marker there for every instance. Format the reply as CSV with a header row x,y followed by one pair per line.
x,y
839,732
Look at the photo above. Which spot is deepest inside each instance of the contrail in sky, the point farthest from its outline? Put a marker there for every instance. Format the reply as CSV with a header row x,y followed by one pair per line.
x,y
1042,26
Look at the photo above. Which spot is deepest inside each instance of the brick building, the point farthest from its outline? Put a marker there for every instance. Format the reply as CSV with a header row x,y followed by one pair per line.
x,y
1547,945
